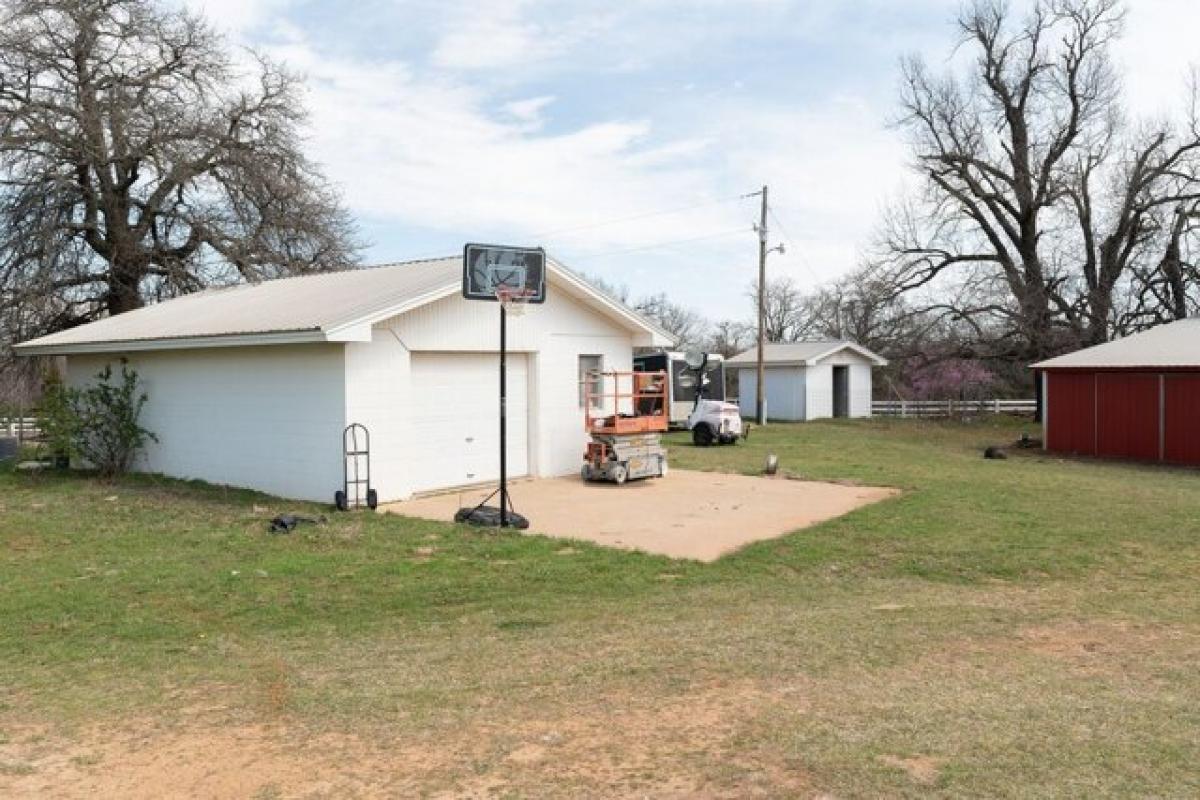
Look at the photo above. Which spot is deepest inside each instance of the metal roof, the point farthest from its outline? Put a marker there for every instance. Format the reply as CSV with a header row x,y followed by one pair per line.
x,y
802,353
1174,344
326,306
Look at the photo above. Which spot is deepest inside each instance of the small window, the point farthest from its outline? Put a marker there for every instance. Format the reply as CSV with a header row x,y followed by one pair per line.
x,y
590,379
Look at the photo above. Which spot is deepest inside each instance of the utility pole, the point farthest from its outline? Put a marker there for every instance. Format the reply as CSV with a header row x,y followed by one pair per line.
x,y
760,410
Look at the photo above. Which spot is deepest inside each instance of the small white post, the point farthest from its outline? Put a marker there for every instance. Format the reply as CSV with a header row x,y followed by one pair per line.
x,y
903,409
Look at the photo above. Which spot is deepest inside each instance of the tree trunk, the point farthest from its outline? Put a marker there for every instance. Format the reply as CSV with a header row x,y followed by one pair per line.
x,y
1172,270
123,291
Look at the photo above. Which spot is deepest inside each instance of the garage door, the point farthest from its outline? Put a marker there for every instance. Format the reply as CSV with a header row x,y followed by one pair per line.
x,y
455,436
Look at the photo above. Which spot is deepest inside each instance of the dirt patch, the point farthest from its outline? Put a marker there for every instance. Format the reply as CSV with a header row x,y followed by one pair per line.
x,y
1085,648
684,746
1109,646
696,515
922,769
147,761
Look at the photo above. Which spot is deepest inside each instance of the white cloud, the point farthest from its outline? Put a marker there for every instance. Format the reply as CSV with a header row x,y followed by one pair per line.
x,y
830,168
427,152
238,16
1155,55
493,36
528,110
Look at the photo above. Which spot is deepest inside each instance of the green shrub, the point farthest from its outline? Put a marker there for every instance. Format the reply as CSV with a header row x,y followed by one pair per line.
x,y
97,423
56,420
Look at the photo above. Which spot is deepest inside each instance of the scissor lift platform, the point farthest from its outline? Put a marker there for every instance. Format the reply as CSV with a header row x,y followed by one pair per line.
x,y
625,426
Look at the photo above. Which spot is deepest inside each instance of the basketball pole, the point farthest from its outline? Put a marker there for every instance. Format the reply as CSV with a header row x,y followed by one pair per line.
x,y
503,417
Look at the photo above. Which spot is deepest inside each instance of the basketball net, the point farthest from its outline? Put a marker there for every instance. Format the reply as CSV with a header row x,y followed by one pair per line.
x,y
514,300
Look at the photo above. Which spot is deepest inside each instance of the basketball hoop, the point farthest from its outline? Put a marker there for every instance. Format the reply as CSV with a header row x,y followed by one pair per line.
x,y
514,300
514,277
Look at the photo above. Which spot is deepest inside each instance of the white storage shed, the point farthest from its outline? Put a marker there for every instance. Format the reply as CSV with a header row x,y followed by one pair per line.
x,y
808,380
252,385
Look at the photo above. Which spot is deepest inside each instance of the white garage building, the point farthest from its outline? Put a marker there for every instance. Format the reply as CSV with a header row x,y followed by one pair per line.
x,y
253,385
808,380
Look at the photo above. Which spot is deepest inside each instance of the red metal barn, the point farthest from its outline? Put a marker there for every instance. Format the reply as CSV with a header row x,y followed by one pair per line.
x,y
1136,398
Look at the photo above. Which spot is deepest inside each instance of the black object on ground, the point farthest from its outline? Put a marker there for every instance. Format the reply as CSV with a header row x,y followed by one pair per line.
x,y
286,523
8,447
995,453
489,517
342,503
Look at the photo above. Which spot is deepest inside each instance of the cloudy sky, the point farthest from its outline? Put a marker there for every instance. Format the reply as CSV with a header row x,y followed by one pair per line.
x,y
621,135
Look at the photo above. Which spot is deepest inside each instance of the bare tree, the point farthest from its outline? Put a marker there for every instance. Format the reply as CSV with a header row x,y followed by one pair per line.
x,y
1039,206
138,162
687,327
618,292
863,307
729,337
784,318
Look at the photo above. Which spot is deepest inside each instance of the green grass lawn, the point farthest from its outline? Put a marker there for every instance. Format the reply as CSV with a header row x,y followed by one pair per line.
x,y
1018,628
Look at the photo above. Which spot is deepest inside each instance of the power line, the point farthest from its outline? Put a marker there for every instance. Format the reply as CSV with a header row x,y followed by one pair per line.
x,y
636,217
787,235
794,244
658,245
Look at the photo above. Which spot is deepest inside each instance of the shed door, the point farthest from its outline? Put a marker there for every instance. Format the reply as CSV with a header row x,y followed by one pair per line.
x,y
1181,404
1071,412
841,391
1127,415
454,436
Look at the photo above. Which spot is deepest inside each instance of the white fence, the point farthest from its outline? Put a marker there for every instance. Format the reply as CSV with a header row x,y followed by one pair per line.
x,y
950,408
19,427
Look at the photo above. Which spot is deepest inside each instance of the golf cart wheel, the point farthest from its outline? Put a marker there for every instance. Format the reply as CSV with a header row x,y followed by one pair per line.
x,y
702,436
585,472
372,499
339,500
619,474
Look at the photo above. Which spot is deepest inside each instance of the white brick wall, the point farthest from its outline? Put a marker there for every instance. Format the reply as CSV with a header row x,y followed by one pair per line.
x,y
268,418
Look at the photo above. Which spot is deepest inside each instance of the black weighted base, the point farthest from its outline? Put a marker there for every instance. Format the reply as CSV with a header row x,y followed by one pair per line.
x,y
489,517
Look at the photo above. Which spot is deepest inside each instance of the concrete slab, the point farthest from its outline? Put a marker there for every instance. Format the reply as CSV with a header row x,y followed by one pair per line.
x,y
695,515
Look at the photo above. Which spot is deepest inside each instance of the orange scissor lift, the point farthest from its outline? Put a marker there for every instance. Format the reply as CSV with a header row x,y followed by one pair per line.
x,y
626,425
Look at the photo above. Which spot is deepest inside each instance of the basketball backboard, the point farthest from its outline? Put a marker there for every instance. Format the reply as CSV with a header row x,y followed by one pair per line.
x,y
488,268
